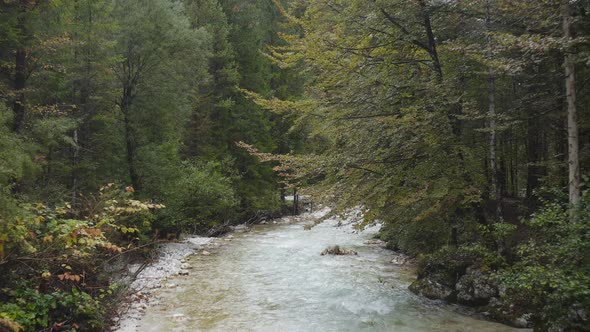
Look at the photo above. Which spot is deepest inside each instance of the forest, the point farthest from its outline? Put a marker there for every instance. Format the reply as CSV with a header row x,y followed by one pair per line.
x,y
461,125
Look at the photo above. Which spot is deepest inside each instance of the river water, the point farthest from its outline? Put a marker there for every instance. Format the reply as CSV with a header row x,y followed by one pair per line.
x,y
273,278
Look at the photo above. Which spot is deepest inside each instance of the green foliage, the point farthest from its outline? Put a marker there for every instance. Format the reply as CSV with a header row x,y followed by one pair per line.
x,y
552,275
203,197
33,310
454,261
417,237
61,248
15,162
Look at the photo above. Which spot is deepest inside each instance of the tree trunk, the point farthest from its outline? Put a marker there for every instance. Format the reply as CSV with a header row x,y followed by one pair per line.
x,y
572,117
431,39
495,187
534,171
75,162
131,148
295,202
20,79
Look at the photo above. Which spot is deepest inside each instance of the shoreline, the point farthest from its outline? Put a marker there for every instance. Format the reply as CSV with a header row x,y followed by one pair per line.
x,y
172,257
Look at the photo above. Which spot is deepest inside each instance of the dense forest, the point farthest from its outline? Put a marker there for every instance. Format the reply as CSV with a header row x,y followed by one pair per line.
x,y
461,125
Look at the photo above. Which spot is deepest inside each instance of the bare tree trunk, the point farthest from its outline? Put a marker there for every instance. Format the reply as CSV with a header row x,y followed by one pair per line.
x,y
572,117
495,188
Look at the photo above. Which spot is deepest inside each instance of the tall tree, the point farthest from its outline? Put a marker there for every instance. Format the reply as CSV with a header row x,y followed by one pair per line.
x,y
572,117
162,63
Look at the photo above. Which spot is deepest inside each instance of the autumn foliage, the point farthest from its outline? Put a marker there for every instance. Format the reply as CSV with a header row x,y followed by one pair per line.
x,y
60,251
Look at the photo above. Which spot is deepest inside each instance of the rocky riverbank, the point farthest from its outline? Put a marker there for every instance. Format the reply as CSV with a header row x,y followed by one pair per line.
x,y
471,278
171,261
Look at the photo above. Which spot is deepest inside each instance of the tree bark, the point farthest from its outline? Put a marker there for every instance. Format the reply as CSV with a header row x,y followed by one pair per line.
x,y
131,148
534,170
75,162
572,117
431,40
20,79
295,202
495,187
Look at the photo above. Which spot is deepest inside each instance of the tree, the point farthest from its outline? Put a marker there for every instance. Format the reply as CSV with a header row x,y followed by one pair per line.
x,y
162,63
572,117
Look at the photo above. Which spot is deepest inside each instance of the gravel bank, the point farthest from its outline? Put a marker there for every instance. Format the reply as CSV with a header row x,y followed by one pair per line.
x,y
171,262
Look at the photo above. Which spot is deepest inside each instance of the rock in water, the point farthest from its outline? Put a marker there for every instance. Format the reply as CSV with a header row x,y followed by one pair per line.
x,y
400,259
336,250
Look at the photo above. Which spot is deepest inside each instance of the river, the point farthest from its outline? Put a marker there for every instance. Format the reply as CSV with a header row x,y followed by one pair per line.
x,y
273,278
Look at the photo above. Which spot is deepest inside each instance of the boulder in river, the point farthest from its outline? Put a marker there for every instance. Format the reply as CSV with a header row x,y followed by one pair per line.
x,y
337,250
400,259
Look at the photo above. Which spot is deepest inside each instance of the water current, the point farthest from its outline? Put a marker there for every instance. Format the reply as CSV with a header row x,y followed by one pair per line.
x,y
273,278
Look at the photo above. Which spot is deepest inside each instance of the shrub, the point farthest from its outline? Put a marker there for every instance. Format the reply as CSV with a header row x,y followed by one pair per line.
x,y
203,197
59,252
552,275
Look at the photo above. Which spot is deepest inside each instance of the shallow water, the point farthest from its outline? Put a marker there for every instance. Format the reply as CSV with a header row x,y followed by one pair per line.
x,y
274,279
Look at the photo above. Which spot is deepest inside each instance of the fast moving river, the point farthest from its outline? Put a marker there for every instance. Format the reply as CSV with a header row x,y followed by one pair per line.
x,y
273,278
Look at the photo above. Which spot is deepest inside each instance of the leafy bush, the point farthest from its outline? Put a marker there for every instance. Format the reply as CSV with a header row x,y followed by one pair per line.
x,y
59,251
454,261
414,238
202,198
552,275
32,310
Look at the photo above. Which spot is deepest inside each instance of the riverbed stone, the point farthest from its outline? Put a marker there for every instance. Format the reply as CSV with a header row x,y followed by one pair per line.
x,y
432,290
205,253
337,250
475,288
522,321
400,259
